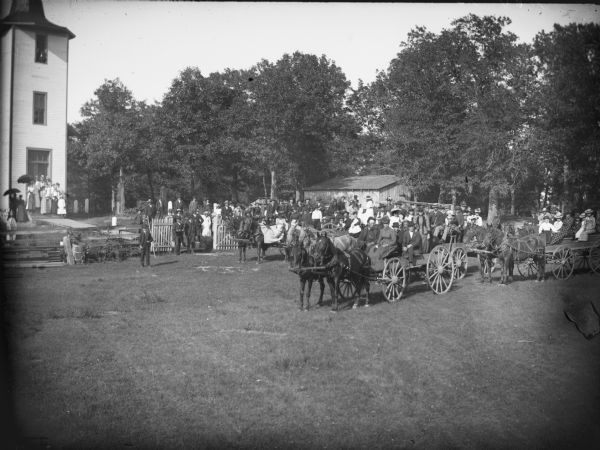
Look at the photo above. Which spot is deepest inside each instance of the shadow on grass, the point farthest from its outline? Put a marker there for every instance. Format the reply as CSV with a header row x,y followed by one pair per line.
x,y
164,263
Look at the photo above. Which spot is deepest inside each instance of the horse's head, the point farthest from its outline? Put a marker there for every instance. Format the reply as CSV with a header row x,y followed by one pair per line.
x,y
322,250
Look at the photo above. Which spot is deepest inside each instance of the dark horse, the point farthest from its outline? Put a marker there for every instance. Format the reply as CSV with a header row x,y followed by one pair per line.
x,y
354,266
474,236
245,229
303,261
509,248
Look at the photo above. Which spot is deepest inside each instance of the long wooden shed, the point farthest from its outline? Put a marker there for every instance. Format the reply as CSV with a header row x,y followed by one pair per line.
x,y
379,187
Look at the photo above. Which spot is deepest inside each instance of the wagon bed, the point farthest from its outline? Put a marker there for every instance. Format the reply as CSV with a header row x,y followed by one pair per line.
x,y
437,267
565,256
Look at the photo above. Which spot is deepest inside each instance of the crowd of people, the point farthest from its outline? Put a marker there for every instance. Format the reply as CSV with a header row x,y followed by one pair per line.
x,y
372,224
556,226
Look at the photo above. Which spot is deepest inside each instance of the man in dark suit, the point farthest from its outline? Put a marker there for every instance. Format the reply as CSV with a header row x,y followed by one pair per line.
x,y
145,241
178,229
411,241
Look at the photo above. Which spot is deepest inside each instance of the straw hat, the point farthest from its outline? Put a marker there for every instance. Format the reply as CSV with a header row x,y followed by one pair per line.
x,y
582,215
558,215
588,211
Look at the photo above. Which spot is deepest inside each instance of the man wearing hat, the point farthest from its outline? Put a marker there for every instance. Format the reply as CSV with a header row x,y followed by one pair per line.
x,y
178,233
145,241
369,235
411,242
590,221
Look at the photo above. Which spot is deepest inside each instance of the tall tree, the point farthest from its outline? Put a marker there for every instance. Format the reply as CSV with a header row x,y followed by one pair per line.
x,y
299,105
567,125
110,136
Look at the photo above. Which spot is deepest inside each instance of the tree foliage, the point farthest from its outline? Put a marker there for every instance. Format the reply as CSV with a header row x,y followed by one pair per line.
x,y
467,112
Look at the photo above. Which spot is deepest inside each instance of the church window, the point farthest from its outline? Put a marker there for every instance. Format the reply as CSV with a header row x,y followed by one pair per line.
x,y
41,48
38,162
39,108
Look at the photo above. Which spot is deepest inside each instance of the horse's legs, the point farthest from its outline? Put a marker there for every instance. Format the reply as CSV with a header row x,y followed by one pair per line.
x,y
541,263
302,284
322,286
240,252
310,282
333,284
367,288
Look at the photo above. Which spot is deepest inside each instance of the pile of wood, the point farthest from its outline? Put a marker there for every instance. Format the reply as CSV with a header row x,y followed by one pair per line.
x,y
33,250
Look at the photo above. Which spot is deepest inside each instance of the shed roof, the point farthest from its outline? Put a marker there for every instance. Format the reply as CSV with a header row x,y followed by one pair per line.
x,y
367,182
30,14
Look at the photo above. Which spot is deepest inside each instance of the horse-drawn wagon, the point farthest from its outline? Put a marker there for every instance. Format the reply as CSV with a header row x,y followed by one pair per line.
x,y
565,257
437,269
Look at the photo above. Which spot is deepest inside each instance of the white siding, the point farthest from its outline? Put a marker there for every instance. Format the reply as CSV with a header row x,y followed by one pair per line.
x,y
30,76
5,65
396,192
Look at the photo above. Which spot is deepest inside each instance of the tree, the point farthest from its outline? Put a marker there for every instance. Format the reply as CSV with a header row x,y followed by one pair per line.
x,y
567,123
299,106
110,136
449,107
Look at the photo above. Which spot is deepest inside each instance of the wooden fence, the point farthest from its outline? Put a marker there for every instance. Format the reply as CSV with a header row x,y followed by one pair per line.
x,y
223,239
162,233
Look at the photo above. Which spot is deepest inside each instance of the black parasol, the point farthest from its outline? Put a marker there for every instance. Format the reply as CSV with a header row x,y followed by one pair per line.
x,y
26,179
11,191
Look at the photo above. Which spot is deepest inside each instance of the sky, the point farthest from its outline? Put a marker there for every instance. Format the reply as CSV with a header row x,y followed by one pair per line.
x,y
146,44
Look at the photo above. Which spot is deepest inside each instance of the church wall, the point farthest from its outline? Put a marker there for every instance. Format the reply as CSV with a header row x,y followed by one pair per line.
x,y
5,66
52,79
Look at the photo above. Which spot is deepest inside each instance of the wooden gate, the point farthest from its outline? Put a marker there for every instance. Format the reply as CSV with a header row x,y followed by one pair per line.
x,y
162,233
223,239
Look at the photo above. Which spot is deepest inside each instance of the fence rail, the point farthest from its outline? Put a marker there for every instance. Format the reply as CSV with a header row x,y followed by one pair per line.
x,y
223,239
162,234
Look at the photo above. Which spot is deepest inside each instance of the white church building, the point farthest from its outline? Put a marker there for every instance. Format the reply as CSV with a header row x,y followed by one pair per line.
x,y
33,96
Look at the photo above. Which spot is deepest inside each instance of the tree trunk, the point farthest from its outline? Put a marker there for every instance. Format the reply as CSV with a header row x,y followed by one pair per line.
x,y
150,185
441,195
273,185
192,185
121,193
234,184
264,180
566,200
512,200
492,217
453,193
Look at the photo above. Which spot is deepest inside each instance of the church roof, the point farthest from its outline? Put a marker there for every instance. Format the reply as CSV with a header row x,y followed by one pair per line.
x,y
30,14
367,182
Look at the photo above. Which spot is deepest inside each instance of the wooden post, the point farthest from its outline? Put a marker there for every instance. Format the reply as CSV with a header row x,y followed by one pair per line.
x,y
86,205
75,206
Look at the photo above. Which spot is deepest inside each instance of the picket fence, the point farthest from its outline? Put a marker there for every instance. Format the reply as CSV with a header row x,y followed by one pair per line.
x,y
162,233
223,240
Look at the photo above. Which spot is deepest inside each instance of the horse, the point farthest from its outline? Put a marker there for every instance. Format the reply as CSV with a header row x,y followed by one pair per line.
x,y
474,236
244,234
354,265
496,242
530,246
302,258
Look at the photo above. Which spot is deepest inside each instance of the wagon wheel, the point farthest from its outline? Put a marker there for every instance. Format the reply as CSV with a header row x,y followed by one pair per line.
x,y
440,270
594,258
346,289
394,278
527,269
564,262
459,256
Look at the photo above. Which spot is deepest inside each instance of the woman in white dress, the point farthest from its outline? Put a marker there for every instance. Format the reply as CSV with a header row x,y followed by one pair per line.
x,y
206,224
61,209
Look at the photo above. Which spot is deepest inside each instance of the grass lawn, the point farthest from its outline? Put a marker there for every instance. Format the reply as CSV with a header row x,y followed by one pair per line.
x,y
199,351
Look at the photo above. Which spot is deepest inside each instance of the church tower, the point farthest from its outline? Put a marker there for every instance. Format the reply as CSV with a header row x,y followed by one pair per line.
x,y
34,60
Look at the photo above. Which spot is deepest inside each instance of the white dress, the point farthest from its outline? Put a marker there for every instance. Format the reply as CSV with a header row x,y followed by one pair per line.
x,y
61,207
206,226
